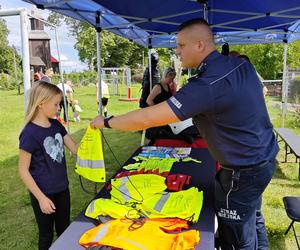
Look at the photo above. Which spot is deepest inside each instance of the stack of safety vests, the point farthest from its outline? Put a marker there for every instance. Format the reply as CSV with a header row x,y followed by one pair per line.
x,y
143,208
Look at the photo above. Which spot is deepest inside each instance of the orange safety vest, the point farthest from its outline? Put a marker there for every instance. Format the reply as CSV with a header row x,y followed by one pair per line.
x,y
151,234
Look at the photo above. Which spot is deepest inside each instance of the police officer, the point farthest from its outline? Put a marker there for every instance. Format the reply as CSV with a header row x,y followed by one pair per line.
x,y
227,105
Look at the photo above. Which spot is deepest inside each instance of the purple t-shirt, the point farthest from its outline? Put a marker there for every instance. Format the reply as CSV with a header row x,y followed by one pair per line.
x,y
48,163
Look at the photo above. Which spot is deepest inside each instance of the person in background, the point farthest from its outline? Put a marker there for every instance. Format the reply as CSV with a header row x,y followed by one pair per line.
x,y
47,77
76,109
227,106
155,76
173,85
234,53
264,88
68,95
105,96
36,77
225,49
162,91
42,163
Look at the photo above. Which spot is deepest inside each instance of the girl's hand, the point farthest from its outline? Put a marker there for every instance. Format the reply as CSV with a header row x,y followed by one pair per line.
x,y
47,206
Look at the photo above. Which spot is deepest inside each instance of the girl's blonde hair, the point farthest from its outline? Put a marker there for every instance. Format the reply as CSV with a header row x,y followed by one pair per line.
x,y
40,93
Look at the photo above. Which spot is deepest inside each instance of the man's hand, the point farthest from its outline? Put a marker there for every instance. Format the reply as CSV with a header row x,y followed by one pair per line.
x,y
97,122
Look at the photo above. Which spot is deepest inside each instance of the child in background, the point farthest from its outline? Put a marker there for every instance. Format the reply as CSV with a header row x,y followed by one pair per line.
x,y
76,110
42,164
105,96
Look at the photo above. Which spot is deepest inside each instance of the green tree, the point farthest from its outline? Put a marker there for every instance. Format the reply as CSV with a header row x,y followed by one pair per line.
x,y
116,51
268,58
8,56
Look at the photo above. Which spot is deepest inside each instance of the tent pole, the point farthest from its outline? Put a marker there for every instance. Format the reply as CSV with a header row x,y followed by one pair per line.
x,y
150,79
284,95
98,29
25,55
205,11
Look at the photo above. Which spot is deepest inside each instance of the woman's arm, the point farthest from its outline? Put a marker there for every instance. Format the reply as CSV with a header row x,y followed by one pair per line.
x,y
45,203
154,92
71,144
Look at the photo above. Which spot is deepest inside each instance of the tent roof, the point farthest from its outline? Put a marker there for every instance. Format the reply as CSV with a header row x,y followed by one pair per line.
x,y
154,22
54,60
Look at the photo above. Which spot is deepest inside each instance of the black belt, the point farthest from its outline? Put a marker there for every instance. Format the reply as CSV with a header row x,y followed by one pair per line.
x,y
245,168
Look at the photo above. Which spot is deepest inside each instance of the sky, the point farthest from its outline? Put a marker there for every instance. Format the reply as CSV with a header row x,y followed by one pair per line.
x,y
69,56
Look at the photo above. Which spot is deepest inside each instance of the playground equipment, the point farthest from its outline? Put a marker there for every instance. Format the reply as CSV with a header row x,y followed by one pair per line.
x,y
115,78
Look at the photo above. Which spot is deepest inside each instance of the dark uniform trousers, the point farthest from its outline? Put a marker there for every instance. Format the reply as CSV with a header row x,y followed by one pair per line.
x,y
238,194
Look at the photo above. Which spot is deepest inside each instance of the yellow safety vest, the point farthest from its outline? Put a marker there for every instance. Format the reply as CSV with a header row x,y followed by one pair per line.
x,y
144,195
136,188
146,234
90,162
107,207
185,204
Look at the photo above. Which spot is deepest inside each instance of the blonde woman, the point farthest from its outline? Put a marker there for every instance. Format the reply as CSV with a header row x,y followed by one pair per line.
x,y
162,91
42,164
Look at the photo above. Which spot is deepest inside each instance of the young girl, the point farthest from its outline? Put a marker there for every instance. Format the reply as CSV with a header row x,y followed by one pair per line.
x,y
42,164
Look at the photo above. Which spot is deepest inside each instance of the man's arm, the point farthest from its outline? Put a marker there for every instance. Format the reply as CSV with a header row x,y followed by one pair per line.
x,y
157,115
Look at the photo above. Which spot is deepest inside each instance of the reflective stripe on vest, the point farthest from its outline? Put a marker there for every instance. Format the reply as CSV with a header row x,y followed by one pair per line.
x,y
124,190
161,202
90,163
91,208
101,233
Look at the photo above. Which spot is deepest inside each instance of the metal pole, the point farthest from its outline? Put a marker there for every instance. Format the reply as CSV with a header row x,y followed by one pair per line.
x,y
205,11
98,29
150,69
25,55
62,80
15,66
189,72
143,60
284,86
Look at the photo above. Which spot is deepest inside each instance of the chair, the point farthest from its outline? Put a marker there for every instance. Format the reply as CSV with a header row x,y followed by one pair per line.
x,y
292,208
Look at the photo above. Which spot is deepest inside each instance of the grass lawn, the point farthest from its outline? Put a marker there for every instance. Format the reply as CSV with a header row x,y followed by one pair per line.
x,y
18,229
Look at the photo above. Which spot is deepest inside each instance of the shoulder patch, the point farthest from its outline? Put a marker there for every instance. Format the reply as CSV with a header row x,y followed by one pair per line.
x,y
175,102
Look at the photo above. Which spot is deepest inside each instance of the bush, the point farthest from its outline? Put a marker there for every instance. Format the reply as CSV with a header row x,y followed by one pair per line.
x,y
8,82
296,118
294,90
138,78
78,78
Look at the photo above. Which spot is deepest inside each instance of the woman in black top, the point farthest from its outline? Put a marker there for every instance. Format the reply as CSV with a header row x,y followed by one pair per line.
x,y
162,91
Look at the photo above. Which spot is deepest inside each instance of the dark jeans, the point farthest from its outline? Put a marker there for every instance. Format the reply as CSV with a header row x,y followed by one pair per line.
x,y
61,218
238,207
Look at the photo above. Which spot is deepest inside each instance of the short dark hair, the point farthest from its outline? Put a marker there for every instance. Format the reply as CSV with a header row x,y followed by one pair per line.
x,y
192,22
244,57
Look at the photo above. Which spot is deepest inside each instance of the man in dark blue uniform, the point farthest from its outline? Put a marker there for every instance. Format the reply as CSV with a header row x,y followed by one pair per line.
x,y
227,105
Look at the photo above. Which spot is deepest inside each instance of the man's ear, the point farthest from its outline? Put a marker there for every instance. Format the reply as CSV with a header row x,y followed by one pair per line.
x,y
200,45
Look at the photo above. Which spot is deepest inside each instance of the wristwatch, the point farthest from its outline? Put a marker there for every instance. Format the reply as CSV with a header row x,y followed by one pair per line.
x,y
106,124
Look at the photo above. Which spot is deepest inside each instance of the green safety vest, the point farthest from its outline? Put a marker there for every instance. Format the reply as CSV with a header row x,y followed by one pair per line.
x,y
90,162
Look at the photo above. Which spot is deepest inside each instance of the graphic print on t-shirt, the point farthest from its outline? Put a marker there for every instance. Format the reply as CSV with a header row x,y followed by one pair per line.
x,y
54,147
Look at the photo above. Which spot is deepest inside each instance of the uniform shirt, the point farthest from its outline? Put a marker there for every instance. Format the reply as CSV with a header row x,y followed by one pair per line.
x,y
227,105
48,164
